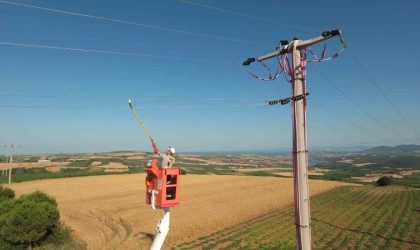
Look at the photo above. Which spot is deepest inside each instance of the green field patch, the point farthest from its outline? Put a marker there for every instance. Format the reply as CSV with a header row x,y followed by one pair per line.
x,y
22,175
361,217
80,163
408,180
260,173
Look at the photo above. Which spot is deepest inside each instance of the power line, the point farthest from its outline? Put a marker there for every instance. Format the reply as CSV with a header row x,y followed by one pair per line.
x,y
140,98
29,96
249,16
383,93
133,23
358,63
356,104
344,118
113,52
140,107
192,33
354,57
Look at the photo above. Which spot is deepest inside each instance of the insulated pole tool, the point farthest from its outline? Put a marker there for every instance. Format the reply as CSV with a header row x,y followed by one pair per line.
x,y
138,118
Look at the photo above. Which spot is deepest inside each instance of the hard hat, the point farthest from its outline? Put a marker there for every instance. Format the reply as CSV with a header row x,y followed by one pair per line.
x,y
172,150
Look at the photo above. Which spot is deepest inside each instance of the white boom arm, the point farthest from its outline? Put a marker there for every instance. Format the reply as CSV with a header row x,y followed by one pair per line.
x,y
162,230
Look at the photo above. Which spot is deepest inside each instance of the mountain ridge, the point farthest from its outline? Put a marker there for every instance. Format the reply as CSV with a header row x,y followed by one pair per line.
x,y
400,149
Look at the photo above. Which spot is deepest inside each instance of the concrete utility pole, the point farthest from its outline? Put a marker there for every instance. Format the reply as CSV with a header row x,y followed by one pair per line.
x,y
11,162
4,170
300,152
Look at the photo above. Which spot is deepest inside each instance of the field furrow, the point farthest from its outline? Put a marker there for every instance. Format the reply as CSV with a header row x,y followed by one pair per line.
x,y
355,218
344,215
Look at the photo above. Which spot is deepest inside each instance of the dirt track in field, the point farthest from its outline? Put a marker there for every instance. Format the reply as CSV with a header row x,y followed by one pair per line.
x,y
109,212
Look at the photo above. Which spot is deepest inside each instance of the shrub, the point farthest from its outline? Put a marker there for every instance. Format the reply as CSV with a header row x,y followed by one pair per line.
x,y
39,196
183,172
6,193
60,234
28,220
9,246
384,181
6,206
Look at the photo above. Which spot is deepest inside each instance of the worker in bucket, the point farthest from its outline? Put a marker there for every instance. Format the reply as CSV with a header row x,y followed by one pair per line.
x,y
168,159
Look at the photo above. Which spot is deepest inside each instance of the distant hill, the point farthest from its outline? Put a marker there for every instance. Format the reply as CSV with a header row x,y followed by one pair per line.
x,y
401,149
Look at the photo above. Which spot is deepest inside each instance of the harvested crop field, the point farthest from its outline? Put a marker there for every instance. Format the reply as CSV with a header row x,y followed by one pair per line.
x,y
109,212
113,167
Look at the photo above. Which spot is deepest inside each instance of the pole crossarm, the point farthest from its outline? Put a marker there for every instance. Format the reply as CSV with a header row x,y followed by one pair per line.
x,y
289,49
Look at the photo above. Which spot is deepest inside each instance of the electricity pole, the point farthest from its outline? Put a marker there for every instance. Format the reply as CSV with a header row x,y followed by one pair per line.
x,y
300,152
4,170
11,162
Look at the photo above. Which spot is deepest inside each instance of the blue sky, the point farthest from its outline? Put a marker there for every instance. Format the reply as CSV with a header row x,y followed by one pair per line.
x,y
62,101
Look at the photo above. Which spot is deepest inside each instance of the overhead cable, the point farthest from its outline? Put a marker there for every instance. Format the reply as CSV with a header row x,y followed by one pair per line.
x,y
383,93
249,16
354,57
141,98
113,52
344,118
139,107
29,96
133,23
358,63
356,104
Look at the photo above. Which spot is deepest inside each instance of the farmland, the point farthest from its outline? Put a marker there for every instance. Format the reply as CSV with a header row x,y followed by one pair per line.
x,y
352,217
355,167
368,167
228,201
109,212
29,167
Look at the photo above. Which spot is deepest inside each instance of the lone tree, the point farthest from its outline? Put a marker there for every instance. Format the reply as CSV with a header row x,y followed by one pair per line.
x,y
384,181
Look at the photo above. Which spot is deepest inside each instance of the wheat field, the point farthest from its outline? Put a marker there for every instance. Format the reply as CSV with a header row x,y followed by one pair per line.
x,y
109,212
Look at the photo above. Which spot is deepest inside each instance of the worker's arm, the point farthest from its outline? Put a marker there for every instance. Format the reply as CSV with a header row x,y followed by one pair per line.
x,y
155,148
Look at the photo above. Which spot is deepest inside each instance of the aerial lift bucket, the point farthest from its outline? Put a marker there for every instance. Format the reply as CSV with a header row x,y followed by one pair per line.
x,y
162,186
162,190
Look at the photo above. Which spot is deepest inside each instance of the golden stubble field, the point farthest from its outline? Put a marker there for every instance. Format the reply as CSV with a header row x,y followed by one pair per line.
x,y
109,212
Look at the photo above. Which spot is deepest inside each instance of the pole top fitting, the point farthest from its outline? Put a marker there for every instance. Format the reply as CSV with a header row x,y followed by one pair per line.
x,y
331,33
284,42
248,61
